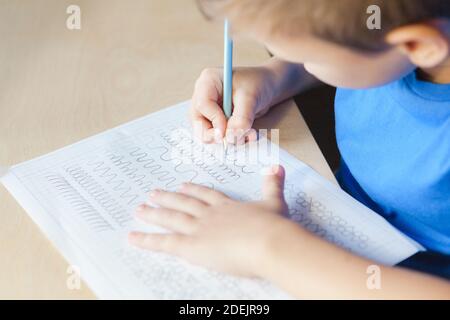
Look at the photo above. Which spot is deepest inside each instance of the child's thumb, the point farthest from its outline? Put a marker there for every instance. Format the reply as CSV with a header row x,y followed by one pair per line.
x,y
273,186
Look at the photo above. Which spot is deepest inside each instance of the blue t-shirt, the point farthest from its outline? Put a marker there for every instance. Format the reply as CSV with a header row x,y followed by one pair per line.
x,y
395,146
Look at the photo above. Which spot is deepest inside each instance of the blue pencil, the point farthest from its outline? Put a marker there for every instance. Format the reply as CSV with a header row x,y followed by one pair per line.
x,y
227,72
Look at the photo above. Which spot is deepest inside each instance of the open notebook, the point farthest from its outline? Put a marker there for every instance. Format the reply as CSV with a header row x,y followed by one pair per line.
x,y
83,197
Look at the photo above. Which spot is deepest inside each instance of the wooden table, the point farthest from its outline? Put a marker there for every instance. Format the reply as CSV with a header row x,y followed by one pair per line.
x,y
58,86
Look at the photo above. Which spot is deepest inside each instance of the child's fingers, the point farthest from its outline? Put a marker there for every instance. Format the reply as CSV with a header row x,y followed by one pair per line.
x,y
204,194
207,96
207,129
168,219
213,113
202,128
251,135
242,119
178,202
239,130
168,243
273,186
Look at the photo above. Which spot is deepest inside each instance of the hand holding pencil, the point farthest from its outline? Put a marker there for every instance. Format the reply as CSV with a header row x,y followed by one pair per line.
x,y
226,102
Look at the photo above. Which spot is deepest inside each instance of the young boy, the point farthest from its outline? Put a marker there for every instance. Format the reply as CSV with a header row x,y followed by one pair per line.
x,y
393,132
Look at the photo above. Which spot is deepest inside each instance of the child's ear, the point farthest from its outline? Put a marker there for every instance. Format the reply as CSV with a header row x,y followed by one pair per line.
x,y
426,45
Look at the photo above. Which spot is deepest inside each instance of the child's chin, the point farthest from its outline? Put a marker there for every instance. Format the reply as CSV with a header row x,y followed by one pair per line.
x,y
340,79
324,75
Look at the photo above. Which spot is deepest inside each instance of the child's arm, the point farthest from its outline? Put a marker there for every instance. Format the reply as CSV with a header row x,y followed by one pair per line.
x,y
255,91
309,267
254,239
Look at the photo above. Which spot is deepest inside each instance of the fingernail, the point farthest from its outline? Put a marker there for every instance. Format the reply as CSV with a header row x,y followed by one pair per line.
x,y
270,171
279,170
276,170
151,204
132,235
140,208
183,186
154,193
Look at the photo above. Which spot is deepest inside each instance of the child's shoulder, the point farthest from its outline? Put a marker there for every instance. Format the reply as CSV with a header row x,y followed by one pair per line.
x,y
409,96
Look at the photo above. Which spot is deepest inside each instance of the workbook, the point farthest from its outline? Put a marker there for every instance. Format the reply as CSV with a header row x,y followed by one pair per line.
x,y
83,198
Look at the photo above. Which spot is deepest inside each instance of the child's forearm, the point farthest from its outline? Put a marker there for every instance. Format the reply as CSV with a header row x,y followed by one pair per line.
x,y
288,79
308,267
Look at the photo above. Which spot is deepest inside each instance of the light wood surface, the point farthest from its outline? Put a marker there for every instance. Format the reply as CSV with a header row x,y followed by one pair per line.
x,y
58,86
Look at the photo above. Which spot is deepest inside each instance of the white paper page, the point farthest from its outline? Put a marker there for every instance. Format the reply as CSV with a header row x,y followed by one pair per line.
x,y
83,197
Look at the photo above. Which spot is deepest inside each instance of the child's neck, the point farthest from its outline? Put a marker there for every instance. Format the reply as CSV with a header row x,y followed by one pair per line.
x,y
440,74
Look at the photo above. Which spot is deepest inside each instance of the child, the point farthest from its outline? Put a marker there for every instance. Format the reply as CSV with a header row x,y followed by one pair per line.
x,y
393,132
